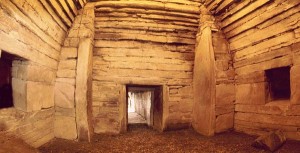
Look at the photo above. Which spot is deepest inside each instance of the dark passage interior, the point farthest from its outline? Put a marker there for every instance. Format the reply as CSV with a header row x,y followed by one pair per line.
x,y
279,83
144,105
6,99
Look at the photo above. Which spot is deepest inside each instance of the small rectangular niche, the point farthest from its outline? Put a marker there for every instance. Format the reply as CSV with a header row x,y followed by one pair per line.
x,y
279,84
6,93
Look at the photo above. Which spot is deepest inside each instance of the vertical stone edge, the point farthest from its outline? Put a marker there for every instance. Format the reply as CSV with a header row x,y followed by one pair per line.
x,y
81,91
123,109
204,86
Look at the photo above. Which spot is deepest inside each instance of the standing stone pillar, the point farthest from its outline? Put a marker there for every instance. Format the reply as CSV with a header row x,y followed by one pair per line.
x,y
73,97
83,90
204,80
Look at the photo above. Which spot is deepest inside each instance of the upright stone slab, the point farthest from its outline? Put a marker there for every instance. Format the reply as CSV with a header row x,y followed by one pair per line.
x,y
204,83
83,87
73,85
295,84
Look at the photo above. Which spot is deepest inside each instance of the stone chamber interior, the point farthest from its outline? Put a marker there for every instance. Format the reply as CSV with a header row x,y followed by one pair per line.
x,y
90,75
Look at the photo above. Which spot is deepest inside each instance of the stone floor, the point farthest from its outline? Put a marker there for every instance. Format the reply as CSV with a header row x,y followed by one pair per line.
x,y
12,144
145,140
135,118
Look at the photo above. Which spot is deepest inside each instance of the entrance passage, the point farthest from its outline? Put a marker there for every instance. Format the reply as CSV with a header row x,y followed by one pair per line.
x,y
139,107
144,105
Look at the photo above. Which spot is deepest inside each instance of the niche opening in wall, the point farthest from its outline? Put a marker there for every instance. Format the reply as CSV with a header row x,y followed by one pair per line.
x,y
279,83
6,93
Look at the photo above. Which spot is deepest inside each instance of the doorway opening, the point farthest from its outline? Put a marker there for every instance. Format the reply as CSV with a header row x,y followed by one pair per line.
x,y
144,105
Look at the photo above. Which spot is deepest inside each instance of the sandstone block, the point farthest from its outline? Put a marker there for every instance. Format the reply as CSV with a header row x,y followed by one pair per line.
x,y
224,122
296,49
256,77
40,74
222,65
176,107
19,93
19,70
91,27
65,127
186,91
68,53
220,45
105,125
224,109
73,33
75,25
70,81
32,72
39,96
295,84
65,112
65,73
229,74
67,64
87,19
71,42
254,93
225,94
64,95
271,141
297,33
78,19
85,32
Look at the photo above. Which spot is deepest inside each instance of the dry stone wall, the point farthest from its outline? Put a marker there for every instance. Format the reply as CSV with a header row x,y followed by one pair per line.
x,y
264,35
34,31
143,43
73,82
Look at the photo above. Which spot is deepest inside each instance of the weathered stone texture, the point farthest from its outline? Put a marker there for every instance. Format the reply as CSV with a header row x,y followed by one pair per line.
x,y
224,122
35,128
262,35
144,44
73,79
19,93
65,127
68,53
35,32
64,95
248,93
39,96
271,141
83,89
295,84
225,94
204,83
